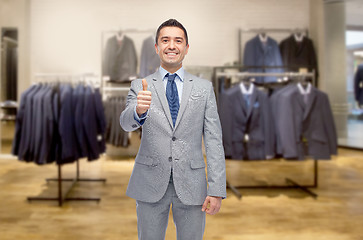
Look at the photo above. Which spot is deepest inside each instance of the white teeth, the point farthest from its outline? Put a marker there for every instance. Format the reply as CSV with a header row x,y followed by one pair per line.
x,y
171,54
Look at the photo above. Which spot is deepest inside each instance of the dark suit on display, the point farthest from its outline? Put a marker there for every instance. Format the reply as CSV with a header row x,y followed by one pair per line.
x,y
101,120
66,126
20,120
257,53
26,134
298,55
48,140
358,85
305,128
90,125
246,125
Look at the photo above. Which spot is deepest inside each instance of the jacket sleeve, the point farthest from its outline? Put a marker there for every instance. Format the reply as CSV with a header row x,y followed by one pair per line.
x,y
216,168
330,126
127,119
269,128
226,123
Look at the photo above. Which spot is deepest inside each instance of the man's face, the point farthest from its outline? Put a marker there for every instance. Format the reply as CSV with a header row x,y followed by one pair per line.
x,y
171,47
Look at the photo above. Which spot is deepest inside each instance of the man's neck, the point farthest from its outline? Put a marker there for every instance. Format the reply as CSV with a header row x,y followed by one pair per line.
x,y
171,69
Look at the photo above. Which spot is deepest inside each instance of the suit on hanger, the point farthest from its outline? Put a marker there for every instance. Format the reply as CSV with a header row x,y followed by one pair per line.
x,y
306,129
267,54
120,60
150,61
26,132
20,121
299,54
66,126
358,85
178,148
248,132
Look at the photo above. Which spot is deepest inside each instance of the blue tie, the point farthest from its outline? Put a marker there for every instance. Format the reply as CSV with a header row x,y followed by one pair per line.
x,y
172,96
247,99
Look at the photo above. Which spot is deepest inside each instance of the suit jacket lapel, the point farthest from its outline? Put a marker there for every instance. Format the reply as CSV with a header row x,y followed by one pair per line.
x,y
311,100
187,89
252,102
160,91
241,102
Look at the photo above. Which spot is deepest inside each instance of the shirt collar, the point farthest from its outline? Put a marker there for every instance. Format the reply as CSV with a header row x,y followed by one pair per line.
x,y
179,73
303,90
244,90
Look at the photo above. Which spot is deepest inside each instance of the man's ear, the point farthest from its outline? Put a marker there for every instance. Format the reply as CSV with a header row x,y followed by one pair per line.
x,y
187,48
156,48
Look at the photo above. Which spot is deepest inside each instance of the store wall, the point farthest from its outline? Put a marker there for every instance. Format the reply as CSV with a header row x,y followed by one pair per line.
x,y
66,35
15,14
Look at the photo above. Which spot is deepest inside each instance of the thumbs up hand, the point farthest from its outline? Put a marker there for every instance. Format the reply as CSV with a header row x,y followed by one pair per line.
x,y
143,99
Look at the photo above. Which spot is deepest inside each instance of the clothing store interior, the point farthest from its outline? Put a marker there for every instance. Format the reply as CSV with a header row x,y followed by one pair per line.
x,y
288,80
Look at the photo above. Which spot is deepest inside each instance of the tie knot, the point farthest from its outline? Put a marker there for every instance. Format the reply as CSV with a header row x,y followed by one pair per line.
x,y
171,77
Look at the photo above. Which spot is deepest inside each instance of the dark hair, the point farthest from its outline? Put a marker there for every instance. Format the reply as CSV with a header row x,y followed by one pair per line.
x,y
171,23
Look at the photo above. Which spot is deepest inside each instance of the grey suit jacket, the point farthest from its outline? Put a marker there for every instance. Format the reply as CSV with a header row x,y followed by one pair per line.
x,y
312,122
164,147
120,61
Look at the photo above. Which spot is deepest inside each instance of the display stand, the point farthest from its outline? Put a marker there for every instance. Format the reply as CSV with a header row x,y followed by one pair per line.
x,y
291,184
63,194
62,197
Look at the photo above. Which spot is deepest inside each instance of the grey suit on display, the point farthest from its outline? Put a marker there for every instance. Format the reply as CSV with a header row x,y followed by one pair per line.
x,y
165,149
299,123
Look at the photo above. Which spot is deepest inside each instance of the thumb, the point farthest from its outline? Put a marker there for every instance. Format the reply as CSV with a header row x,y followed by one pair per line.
x,y
144,85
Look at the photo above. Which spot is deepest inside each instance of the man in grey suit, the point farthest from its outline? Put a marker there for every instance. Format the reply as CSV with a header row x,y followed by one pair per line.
x,y
176,110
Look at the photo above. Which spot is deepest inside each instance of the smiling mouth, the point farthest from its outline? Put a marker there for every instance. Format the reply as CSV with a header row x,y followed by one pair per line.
x,y
171,54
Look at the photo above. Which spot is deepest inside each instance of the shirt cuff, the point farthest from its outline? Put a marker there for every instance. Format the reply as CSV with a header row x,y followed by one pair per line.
x,y
142,118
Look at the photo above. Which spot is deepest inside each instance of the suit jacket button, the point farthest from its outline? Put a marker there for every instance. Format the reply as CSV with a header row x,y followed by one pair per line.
x,y
170,159
174,138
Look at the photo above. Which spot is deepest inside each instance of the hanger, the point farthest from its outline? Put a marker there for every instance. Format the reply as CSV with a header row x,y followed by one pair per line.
x,y
299,34
120,35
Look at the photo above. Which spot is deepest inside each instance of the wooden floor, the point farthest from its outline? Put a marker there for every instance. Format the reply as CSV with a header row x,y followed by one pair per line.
x,y
260,215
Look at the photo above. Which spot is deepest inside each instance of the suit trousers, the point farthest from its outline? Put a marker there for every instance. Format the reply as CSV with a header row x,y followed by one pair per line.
x,y
152,218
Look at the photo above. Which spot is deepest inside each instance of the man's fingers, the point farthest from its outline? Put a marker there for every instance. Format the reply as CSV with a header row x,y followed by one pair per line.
x,y
144,85
144,95
205,204
143,101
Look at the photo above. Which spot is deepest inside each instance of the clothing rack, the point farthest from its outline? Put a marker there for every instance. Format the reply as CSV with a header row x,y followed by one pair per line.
x,y
265,30
291,184
243,73
63,196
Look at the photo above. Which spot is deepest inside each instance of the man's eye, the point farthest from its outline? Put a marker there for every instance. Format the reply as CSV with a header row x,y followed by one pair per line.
x,y
165,41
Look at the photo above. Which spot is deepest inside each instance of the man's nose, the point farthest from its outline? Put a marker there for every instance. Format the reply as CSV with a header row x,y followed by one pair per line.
x,y
171,45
